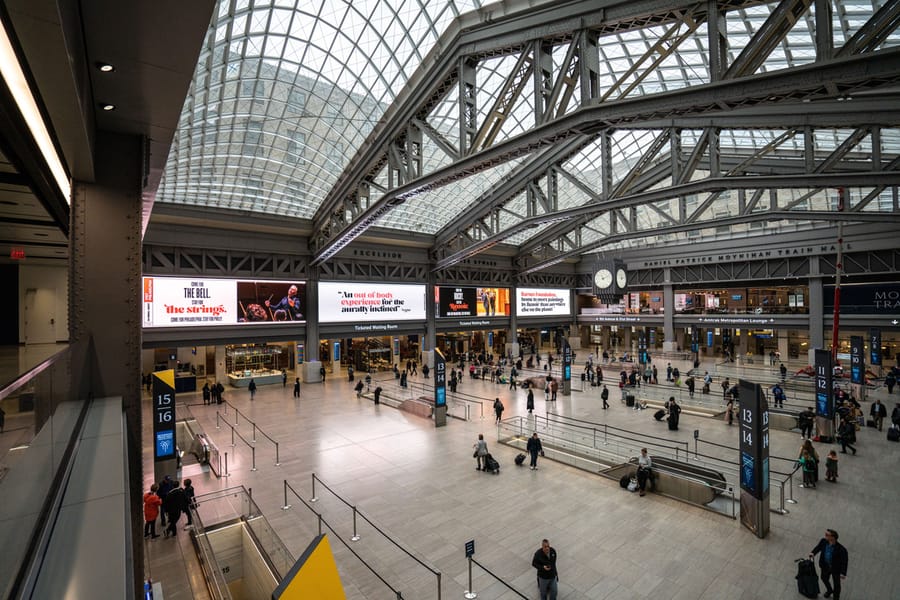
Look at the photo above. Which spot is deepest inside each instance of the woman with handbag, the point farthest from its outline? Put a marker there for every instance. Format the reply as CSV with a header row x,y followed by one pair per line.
x,y
480,452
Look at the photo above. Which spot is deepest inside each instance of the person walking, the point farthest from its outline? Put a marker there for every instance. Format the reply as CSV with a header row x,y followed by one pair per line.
x,y
847,436
833,559
783,370
729,412
669,372
480,452
725,385
890,380
645,464
604,395
808,464
690,385
674,414
547,577
252,388
283,378
297,387
498,410
878,412
807,446
534,447
806,420
152,502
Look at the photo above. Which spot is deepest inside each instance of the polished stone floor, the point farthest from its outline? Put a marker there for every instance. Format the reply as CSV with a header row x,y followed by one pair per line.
x,y
418,484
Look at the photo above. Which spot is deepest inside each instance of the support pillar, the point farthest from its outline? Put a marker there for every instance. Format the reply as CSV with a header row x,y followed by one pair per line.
x,y
105,291
669,343
816,311
311,369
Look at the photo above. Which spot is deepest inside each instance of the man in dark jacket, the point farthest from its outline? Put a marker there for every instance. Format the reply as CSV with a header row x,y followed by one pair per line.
x,y
833,561
806,420
174,504
545,562
534,448
878,413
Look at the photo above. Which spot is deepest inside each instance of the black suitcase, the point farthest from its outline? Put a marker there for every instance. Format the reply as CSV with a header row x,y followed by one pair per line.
x,y
520,459
623,482
659,415
629,400
491,465
893,434
807,580
870,423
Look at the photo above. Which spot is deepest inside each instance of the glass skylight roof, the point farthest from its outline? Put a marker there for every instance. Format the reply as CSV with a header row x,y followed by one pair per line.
x,y
287,91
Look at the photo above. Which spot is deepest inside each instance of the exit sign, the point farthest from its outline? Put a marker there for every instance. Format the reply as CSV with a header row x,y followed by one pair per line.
x,y
17,253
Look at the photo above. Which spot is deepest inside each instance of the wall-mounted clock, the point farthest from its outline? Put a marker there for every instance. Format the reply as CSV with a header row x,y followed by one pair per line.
x,y
603,279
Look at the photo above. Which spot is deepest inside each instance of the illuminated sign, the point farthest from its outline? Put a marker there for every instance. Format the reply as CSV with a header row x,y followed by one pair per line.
x,y
342,302
164,415
532,302
471,301
199,301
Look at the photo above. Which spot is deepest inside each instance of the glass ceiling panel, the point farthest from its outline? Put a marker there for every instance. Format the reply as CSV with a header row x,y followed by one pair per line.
x,y
286,91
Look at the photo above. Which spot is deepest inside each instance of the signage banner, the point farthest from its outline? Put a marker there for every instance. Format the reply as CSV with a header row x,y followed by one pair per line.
x,y
440,379
471,301
163,415
200,301
753,421
880,299
856,359
349,301
875,347
567,360
824,392
532,302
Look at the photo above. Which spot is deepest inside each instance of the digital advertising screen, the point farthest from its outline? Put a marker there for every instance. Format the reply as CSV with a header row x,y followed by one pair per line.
x,y
534,302
200,301
342,302
453,301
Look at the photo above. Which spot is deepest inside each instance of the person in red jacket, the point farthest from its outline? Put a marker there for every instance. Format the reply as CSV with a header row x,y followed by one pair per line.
x,y
152,502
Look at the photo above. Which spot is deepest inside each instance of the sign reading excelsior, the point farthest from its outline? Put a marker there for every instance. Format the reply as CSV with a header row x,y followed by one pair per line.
x,y
531,302
341,302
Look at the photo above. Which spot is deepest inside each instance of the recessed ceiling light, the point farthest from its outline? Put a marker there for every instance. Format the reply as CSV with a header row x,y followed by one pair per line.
x,y
108,107
105,67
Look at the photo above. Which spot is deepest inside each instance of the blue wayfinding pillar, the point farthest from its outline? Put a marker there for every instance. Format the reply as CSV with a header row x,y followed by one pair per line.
x,y
440,389
754,458
566,367
164,445
824,396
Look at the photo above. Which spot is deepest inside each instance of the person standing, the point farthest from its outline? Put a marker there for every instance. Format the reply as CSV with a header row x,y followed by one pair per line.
x,y
806,420
878,412
322,373
725,385
690,385
674,414
729,412
809,465
252,388
890,380
778,395
498,410
547,577
220,389
783,370
529,401
480,452
189,503
162,490
831,467
207,394
534,447
645,464
604,395
152,502
174,505
283,378
669,372
297,387
377,394
833,559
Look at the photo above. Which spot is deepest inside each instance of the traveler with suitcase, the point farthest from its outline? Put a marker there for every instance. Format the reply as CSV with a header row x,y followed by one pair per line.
x,y
644,470
480,453
833,559
674,414
807,578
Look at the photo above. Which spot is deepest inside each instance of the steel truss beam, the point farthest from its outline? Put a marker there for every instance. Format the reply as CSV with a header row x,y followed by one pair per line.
x,y
169,260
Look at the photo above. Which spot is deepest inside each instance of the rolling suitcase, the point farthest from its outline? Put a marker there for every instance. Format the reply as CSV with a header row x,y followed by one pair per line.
x,y
659,415
893,434
629,400
623,482
490,464
520,459
807,580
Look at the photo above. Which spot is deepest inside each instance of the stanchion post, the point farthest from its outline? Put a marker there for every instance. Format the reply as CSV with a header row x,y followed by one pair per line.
x,y
285,506
355,536
320,523
277,459
226,465
790,499
232,437
254,432
217,419
438,585
470,594
313,499
236,413
253,458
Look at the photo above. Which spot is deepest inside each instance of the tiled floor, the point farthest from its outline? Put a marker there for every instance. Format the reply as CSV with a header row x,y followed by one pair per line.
x,y
418,484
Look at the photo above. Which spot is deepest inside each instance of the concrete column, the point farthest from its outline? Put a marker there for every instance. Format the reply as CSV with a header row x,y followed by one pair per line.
x,y
105,291
429,341
221,375
513,335
669,342
309,371
816,312
782,345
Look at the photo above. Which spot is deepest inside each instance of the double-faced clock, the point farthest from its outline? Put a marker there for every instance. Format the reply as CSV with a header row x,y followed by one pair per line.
x,y
621,279
603,279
